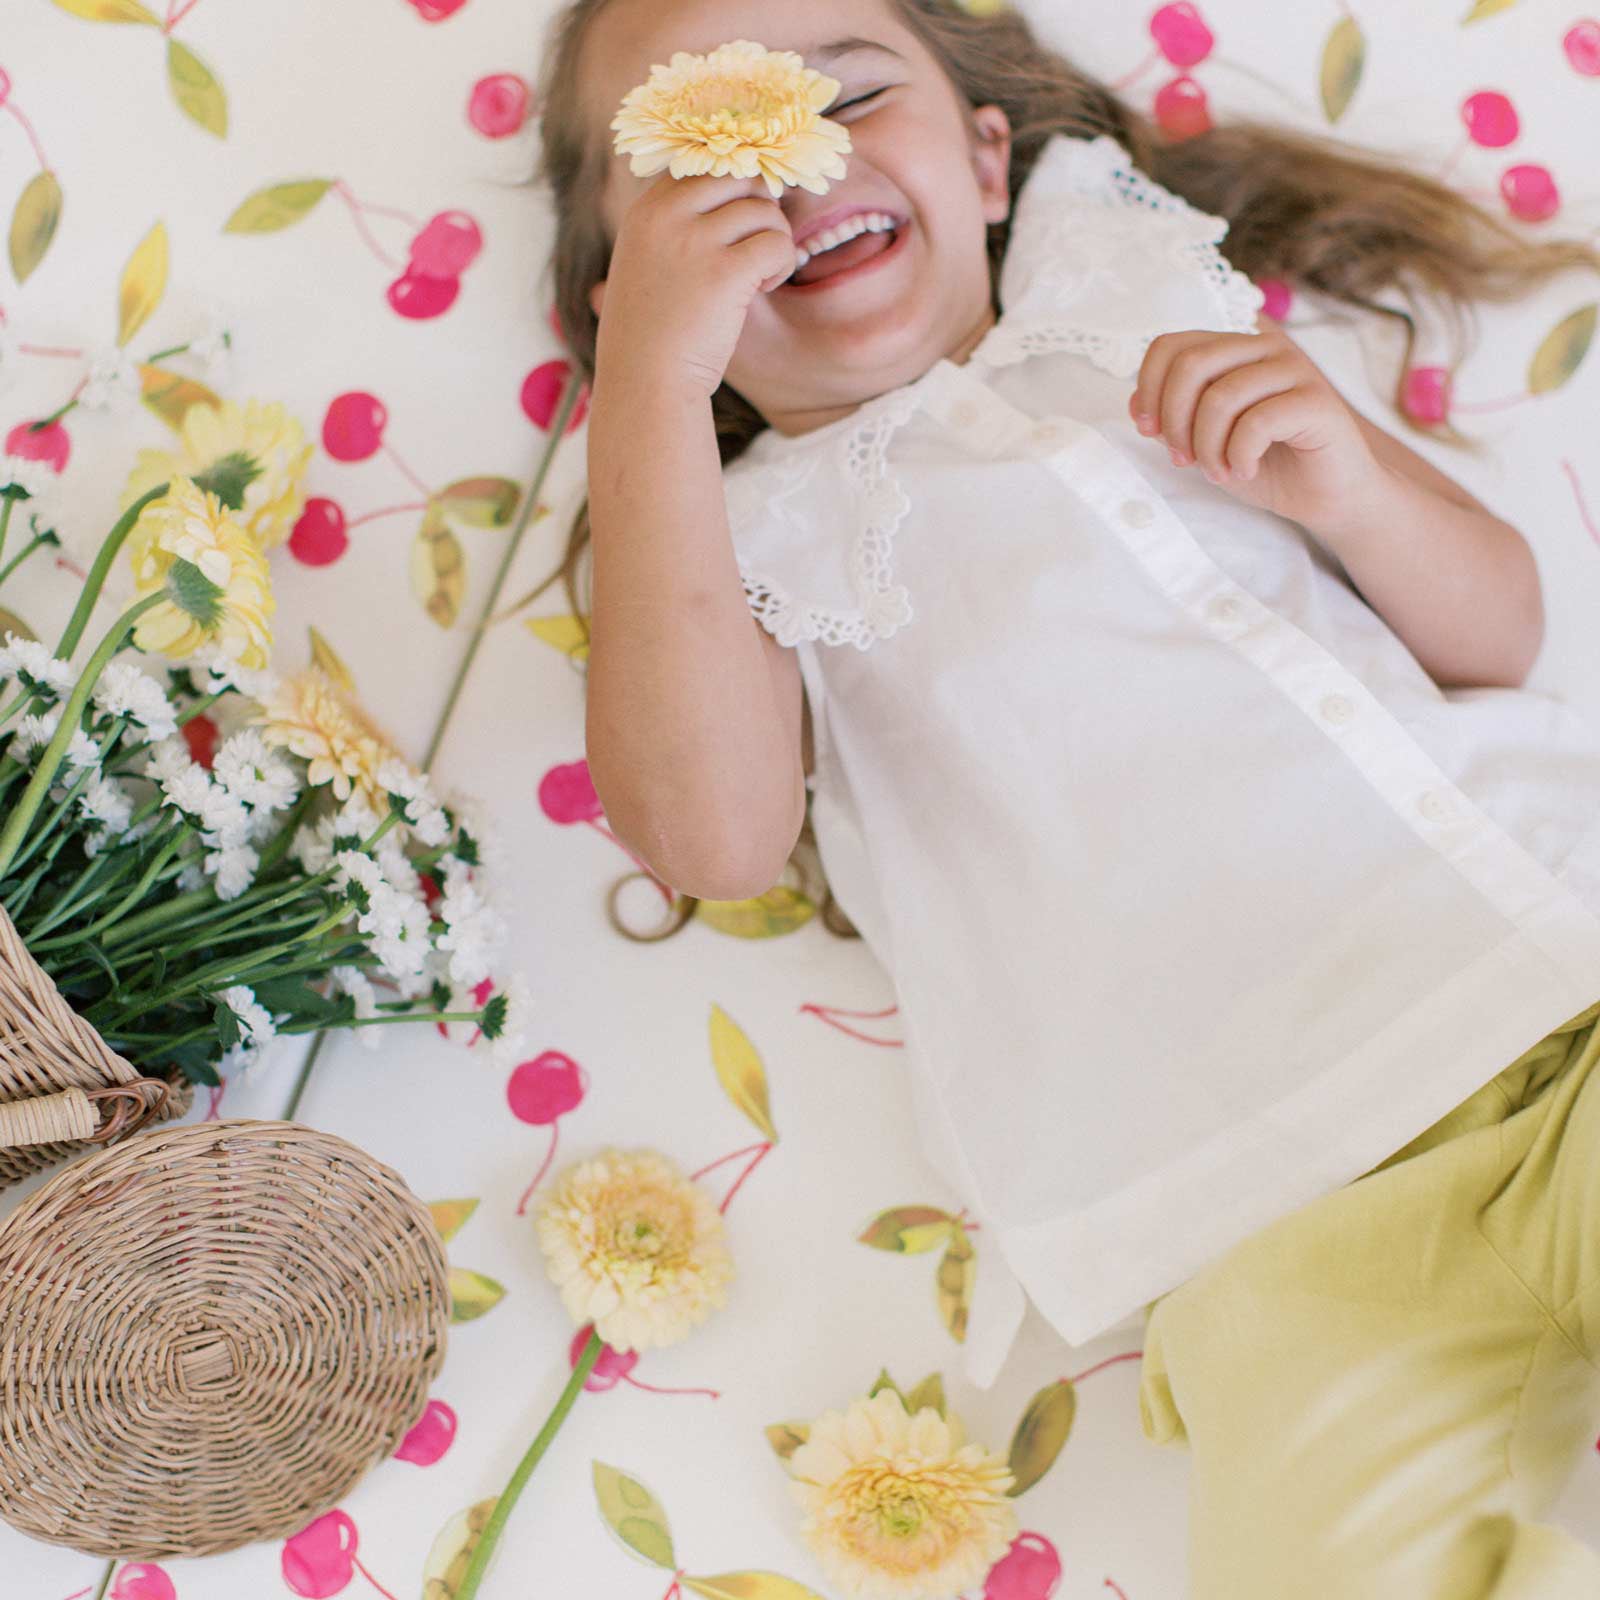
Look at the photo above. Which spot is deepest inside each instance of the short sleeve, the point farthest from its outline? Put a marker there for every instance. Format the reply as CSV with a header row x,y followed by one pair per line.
x,y
813,529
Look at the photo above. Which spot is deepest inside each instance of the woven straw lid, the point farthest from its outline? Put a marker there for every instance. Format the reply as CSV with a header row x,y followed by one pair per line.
x,y
208,1335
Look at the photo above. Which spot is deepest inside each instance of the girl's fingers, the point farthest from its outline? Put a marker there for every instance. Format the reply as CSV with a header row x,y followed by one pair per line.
x,y
1178,366
1278,418
1222,403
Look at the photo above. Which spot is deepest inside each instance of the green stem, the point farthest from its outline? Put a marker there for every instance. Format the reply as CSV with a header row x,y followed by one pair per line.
x,y
39,785
47,831
102,565
5,522
490,1536
23,554
200,707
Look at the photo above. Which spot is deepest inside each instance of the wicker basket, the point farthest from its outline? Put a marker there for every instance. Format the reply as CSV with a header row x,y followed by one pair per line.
x,y
61,1086
208,1335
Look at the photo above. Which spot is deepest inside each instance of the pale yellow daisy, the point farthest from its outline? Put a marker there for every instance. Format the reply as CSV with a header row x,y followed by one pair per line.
x,y
254,458
899,1507
635,1248
311,717
741,109
212,572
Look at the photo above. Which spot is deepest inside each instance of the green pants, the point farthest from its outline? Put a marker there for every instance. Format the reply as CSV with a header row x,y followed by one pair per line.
x,y
1384,1390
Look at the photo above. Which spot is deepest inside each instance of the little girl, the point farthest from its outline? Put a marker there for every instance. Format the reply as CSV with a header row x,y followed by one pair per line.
x,y
1200,895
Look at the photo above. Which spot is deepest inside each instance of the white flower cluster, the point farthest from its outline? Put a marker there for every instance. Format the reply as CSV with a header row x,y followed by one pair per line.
x,y
124,691
222,672
474,932
395,920
355,983
113,382
256,1025
37,479
424,813
28,660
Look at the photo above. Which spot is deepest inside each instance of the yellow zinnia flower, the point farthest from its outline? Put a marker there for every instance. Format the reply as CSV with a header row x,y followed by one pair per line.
x,y
742,109
309,716
635,1248
213,574
898,1507
253,459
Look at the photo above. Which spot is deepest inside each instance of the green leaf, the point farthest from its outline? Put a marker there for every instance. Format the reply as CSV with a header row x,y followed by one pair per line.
x,y
954,1281
193,593
278,206
227,1025
472,1294
446,1565
110,11
229,476
787,1437
1563,350
910,1230
10,622
481,502
739,1071
634,1515
778,911
930,1392
884,1381
1041,1433
450,1216
1344,59
34,222
194,86
749,1586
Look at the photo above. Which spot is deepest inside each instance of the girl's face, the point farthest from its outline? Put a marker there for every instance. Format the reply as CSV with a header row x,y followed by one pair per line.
x,y
807,357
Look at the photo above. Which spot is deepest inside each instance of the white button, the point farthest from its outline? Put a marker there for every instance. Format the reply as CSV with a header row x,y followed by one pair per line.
x,y
1436,806
964,413
1138,513
1227,608
1338,708
1051,435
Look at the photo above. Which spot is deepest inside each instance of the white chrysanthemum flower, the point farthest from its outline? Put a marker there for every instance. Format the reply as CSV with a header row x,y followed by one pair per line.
x,y
37,667
113,382
124,691
233,870
634,1247
223,672
506,1047
191,877
900,1507
473,934
254,772
37,479
473,818
354,982
312,845
166,758
33,732
83,751
106,801
255,1021
213,345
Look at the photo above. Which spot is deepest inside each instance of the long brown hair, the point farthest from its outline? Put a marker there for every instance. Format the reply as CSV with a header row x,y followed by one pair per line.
x,y
1309,209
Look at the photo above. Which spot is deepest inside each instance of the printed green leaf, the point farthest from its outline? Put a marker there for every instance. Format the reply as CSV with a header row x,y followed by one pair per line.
x,y
34,222
195,88
749,1586
634,1515
438,568
563,633
1563,350
110,11
1486,8
778,911
450,1216
170,394
884,1381
481,502
446,1566
472,1294
144,281
326,657
930,1392
10,622
909,1230
739,1071
1344,59
1041,1433
787,1437
953,1284
277,206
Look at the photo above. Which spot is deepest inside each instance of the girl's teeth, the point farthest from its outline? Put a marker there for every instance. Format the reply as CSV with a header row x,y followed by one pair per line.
x,y
829,238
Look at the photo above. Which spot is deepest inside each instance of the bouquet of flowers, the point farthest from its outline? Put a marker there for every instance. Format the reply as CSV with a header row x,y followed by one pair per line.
x,y
208,856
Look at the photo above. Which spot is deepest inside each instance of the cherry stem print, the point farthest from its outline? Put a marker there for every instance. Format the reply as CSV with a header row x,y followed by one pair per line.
x,y
761,1151
1583,509
490,1536
416,482
538,1177
11,105
175,17
829,1014
1110,1361
387,511
345,193
214,1112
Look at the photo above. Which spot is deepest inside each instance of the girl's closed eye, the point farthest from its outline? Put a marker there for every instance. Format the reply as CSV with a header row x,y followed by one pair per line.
x,y
860,99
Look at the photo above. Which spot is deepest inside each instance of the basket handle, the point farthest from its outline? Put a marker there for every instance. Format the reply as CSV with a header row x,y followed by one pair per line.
x,y
73,1116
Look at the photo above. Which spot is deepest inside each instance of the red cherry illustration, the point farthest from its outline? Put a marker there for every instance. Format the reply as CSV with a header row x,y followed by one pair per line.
x,y
49,444
1530,192
1029,1570
319,536
1582,45
1426,395
566,794
448,244
430,889
499,105
1491,119
141,1581
1182,108
541,1092
1182,35
612,1367
318,1561
352,426
1280,298
480,996
419,297
434,1433
436,10
200,734
541,394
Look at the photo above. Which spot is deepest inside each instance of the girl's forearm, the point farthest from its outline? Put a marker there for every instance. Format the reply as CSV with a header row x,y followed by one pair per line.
x,y
1459,586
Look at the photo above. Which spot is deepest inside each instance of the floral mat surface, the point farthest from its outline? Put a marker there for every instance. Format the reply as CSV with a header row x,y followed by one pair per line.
x,y
337,186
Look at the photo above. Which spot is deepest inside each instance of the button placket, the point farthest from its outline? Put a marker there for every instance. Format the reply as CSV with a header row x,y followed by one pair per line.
x,y
1337,708
1137,513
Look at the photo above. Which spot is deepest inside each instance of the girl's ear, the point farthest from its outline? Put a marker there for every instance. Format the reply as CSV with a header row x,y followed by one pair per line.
x,y
991,159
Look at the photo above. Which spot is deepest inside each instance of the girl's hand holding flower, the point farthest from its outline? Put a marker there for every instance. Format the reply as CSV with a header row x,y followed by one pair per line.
x,y
1259,418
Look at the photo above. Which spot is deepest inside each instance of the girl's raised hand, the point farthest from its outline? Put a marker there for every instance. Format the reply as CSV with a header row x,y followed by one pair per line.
x,y
1257,416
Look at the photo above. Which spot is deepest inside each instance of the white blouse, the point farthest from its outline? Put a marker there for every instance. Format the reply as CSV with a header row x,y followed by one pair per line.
x,y
1198,895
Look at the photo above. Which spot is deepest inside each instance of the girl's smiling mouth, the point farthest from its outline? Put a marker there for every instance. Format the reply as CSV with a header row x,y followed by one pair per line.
x,y
866,250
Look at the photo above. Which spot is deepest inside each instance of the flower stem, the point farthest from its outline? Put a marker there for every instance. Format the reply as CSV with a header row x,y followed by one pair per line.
x,y
503,1506
5,521
102,565
32,797
23,554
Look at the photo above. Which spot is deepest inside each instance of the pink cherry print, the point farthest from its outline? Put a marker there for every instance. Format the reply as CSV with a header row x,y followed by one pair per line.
x,y
612,1367
480,996
200,734
319,536
541,394
1280,298
142,1582
319,1560
499,105
352,426
1491,119
1582,45
549,1086
432,1436
1530,192
430,889
1029,1570
1182,35
419,297
566,794
436,10
49,444
448,244
1426,395
1182,108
